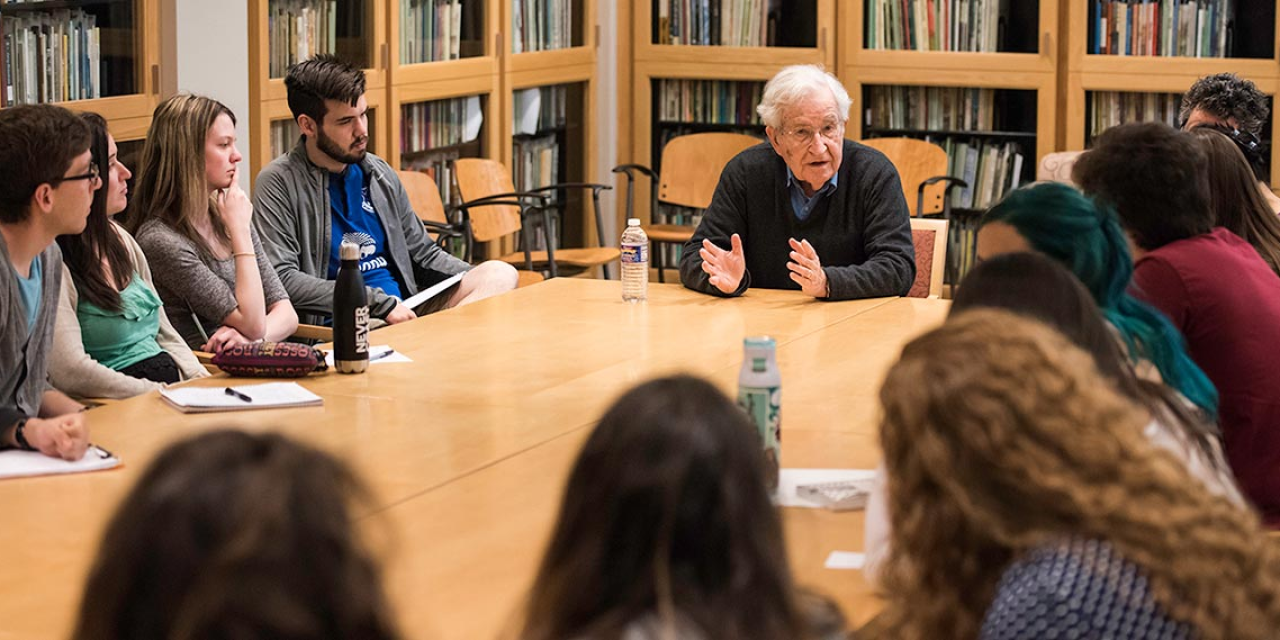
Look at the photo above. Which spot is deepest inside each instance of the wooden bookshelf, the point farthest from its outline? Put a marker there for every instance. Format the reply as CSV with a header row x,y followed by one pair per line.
x,y
479,48
361,36
1030,44
1255,56
135,48
811,35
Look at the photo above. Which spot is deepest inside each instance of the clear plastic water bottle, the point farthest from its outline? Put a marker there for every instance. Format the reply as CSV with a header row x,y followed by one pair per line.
x,y
350,314
760,395
635,262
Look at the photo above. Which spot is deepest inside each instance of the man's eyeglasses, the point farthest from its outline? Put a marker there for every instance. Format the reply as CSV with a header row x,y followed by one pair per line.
x,y
804,135
92,176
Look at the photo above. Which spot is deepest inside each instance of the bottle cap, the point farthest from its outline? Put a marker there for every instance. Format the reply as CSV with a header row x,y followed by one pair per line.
x,y
758,342
633,222
349,251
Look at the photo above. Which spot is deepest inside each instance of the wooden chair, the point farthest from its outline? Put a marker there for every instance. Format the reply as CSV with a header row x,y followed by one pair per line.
x,y
691,167
1056,166
424,197
492,209
922,166
930,240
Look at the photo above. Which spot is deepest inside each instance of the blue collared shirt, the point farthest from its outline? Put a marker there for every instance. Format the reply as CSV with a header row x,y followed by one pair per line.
x,y
801,204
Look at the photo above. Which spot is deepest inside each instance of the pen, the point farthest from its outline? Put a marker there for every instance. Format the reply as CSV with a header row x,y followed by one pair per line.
x,y
236,394
379,356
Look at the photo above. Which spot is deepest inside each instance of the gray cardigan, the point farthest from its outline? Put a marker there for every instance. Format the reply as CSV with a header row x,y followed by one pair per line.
x,y
24,375
293,216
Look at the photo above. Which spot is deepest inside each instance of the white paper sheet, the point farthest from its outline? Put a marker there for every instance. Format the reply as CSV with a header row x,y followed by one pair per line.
x,y
270,395
846,560
528,106
789,479
432,291
475,118
21,464
376,355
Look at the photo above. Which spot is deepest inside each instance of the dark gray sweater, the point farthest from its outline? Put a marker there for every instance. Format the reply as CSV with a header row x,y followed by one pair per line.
x,y
861,232
24,365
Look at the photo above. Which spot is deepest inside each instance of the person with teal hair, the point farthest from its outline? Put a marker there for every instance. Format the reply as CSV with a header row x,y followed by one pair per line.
x,y
1064,224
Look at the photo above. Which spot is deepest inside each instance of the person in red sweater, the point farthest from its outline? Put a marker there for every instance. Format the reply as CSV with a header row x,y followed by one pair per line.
x,y
1213,285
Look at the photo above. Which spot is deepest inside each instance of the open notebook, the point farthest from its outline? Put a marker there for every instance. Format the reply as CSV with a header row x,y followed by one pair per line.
x,y
271,395
21,464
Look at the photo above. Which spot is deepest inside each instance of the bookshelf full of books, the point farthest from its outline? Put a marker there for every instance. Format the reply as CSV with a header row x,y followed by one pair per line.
x,y
1130,60
68,51
548,141
436,132
734,32
975,26
440,30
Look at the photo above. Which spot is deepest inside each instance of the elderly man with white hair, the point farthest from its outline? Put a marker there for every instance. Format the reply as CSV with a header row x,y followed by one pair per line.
x,y
809,210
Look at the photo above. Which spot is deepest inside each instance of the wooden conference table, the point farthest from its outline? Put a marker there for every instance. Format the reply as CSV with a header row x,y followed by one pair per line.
x,y
467,447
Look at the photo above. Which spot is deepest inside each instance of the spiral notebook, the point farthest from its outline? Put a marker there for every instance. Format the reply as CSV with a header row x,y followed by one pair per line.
x,y
245,397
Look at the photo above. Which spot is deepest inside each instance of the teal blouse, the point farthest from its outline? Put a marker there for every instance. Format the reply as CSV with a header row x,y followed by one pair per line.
x,y
118,339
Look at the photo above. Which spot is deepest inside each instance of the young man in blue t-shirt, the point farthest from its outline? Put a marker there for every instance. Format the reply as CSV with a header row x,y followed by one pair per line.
x,y
329,188
50,177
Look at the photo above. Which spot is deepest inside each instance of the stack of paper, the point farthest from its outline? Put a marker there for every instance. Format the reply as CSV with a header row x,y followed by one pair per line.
x,y
272,395
20,464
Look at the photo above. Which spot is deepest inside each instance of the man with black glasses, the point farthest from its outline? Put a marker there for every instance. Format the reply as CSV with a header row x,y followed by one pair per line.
x,y
47,191
809,210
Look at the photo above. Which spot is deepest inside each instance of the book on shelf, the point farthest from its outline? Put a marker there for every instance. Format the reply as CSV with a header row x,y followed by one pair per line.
x,y
284,136
1110,108
431,30
541,25
298,30
932,108
937,25
52,56
1189,28
729,23
710,101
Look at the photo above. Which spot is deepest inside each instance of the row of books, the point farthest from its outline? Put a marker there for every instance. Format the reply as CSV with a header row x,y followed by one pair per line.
x,y
298,30
284,136
730,23
990,168
1193,28
540,109
431,30
935,25
51,57
541,25
710,101
439,123
536,163
1110,108
936,108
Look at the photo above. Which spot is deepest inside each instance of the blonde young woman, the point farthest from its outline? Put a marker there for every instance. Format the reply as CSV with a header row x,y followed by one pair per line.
x,y
1026,503
193,221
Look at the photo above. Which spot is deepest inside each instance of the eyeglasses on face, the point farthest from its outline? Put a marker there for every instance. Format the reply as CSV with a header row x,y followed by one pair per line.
x,y
91,176
804,135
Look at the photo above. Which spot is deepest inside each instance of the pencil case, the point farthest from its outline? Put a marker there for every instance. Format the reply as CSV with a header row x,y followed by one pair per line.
x,y
270,360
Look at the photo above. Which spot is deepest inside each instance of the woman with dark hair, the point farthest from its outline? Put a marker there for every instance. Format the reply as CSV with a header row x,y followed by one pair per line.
x,y
1060,222
667,531
112,338
1233,194
1026,504
195,224
235,535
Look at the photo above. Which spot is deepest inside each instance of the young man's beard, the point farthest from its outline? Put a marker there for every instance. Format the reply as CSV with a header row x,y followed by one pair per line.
x,y
331,149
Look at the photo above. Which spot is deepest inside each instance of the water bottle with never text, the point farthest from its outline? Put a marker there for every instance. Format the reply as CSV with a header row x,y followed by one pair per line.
x,y
760,395
635,262
350,314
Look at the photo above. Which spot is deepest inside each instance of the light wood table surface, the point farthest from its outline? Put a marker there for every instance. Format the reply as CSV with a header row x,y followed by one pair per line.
x,y
467,447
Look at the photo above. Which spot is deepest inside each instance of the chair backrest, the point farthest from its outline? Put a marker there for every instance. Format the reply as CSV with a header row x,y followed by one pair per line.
x,y
930,240
424,197
691,166
1056,166
480,177
916,161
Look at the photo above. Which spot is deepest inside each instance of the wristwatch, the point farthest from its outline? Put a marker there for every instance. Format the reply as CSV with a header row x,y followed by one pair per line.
x,y
20,436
